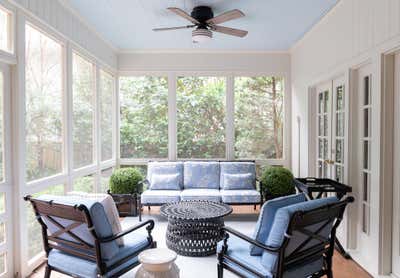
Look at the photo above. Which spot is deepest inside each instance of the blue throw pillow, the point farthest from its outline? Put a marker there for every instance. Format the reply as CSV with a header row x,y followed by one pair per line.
x,y
238,181
266,219
165,182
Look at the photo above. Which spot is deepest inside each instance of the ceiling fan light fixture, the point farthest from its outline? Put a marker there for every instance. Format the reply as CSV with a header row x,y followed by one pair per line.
x,y
201,35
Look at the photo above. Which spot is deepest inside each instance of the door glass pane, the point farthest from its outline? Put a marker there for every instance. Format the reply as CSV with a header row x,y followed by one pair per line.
x,y
326,101
325,125
320,148
201,117
366,154
365,187
320,169
340,124
1,127
85,184
366,122
106,114
339,151
2,232
2,202
44,105
3,263
339,98
321,125
366,90
5,30
105,179
83,111
339,173
144,116
320,102
326,151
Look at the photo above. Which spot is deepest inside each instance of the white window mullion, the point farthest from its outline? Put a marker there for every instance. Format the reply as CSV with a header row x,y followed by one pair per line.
x,y
69,120
116,133
172,120
230,118
97,131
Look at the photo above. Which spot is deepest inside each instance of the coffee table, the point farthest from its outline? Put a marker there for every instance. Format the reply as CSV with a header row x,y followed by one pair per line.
x,y
194,227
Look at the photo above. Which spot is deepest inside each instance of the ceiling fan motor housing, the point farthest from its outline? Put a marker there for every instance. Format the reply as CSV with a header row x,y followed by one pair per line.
x,y
202,13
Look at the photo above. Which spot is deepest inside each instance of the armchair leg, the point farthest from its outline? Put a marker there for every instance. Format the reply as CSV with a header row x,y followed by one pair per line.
x,y
47,272
220,271
148,207
255,207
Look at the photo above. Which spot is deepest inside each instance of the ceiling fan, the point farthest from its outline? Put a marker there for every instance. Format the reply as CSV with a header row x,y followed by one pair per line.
x,y
202,18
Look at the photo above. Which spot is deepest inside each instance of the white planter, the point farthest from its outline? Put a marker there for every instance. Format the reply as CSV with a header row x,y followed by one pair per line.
x,y
157,263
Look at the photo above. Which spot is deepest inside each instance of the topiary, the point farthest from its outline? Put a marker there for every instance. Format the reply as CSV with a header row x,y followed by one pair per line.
x,y
125,181
277,181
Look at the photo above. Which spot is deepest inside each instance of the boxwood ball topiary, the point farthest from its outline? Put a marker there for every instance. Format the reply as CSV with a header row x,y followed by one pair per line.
x,y
125,181
278,181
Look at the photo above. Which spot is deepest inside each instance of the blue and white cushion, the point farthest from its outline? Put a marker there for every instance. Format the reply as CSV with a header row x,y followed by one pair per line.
x,y
160,196
238,168
165,181
241,196
201,174
267,217
212,195
168,168
238,181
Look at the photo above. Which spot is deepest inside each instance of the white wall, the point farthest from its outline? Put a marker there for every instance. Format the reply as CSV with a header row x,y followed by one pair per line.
x,y
64,21
354,32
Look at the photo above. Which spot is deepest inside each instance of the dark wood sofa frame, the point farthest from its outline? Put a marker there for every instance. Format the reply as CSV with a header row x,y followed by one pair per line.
x,y
299,221
80,248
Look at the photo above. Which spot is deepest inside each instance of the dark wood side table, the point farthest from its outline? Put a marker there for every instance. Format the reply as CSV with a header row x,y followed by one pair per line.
x,y
316,188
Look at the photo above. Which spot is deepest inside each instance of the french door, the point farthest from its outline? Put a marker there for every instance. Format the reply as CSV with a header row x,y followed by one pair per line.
x,y
6,240
331,137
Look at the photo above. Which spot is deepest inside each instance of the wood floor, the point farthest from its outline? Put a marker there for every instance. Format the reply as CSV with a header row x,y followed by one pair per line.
x,y
342,268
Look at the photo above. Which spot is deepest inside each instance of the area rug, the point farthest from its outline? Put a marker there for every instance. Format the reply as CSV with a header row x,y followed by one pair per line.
x,y
190,267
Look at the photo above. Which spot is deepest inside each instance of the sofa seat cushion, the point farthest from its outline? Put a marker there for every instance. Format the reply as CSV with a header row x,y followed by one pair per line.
x,y
239,169
160,196
201,194
165,168
239,249
101,223
201,174
165,182
281,223
267,216
241,196
76,266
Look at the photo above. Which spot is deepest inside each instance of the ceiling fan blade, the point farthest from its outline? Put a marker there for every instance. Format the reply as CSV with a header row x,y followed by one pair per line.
x,y
173,28
231,15
229,31
184,15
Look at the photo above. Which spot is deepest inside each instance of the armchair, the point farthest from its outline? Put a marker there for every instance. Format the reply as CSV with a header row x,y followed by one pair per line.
x,y
78,238
300,243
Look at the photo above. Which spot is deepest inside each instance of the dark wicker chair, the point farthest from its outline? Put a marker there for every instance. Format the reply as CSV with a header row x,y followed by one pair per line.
x,y
78,241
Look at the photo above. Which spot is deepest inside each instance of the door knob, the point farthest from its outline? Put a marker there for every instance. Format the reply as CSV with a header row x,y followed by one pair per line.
x,y
329,161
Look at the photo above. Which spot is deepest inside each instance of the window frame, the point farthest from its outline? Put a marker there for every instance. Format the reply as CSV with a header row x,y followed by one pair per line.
x,y
10,56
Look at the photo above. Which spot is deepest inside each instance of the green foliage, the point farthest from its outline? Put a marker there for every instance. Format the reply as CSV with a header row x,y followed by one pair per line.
x,y
84,184
125,181
277,181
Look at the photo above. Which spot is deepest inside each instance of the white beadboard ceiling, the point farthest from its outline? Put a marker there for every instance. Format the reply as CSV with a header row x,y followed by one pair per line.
x,y
273,25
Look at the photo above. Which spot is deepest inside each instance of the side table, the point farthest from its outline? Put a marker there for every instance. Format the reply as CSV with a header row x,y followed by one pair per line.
x,y
157,263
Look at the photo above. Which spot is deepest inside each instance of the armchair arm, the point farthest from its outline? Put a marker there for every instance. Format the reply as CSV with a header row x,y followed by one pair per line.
x,y
149,228
144,182
250,240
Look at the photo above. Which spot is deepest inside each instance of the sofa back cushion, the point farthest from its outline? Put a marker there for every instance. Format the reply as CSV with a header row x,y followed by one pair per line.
x,y
239,181
266,218
165,168
99,218
281,223
201,174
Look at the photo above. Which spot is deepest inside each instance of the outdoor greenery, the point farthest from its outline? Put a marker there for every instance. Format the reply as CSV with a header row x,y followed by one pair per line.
x,y
125,181
1,126
277,181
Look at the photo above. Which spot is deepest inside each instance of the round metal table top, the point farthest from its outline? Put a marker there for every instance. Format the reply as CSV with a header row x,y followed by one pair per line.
x,y
195,210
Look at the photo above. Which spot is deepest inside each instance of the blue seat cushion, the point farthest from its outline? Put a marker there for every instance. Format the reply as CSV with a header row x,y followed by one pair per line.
x,y
281,223
251,196
165,168
99,218
267,216
234,168
239,249
201,174
76,266
201,194
160,196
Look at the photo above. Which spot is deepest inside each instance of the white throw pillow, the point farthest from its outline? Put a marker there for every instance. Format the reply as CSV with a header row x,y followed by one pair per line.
x,y
165,182
238,181
109,208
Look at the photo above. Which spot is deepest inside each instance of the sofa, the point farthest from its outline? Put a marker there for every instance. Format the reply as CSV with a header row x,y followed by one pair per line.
x,y
230,182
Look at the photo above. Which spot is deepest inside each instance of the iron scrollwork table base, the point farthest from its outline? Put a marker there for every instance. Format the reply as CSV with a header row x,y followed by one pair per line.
x,y
194,227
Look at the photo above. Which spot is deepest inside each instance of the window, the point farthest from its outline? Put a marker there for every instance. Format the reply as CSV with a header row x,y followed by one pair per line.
x,y
144,117
83,111
259,117
201,117
43,96
34,229
1,127
106,114
5,30
105,180
85,184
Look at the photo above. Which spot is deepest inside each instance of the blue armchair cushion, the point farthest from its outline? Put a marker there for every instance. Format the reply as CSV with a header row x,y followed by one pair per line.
x,y
100,222
165,181
76,266
201,174
247,196
160,196
169,168
238,181
267,216
238,168
281,223
201,194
